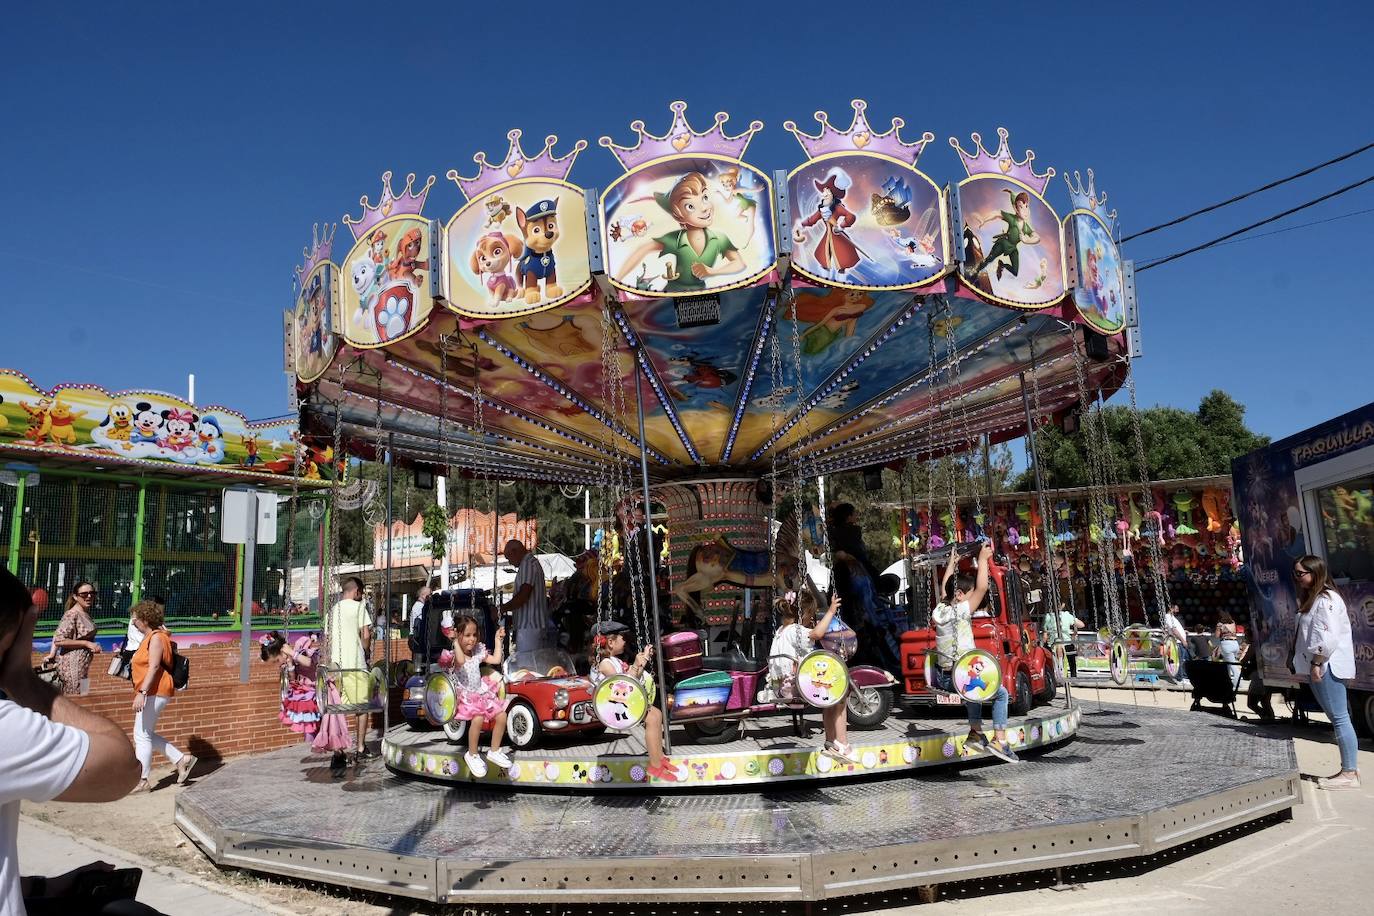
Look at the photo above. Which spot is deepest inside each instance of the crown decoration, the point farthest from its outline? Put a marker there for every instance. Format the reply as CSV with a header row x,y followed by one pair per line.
x,y
859,136
1002,163
517,165
681,139
321,247
389,205
1087,199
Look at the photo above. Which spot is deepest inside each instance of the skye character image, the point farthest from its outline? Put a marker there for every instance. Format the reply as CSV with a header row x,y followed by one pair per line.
x,y
1006,244
492,258
407,260
540,228
835,251
695,248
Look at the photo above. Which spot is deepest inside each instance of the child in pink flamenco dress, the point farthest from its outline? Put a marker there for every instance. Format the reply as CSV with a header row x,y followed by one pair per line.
x,y
300,708
479,699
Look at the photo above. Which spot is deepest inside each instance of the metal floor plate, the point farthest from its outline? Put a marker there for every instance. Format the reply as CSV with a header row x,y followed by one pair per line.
x,y
1134,781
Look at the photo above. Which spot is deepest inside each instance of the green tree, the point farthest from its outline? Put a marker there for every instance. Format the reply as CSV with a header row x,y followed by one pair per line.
x,y
1178,443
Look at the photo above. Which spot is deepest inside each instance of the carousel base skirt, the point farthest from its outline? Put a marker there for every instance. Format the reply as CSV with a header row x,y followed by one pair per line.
x,y
1132,783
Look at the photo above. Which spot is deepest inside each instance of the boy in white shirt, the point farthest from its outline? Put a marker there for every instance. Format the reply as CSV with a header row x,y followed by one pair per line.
x,y
953,621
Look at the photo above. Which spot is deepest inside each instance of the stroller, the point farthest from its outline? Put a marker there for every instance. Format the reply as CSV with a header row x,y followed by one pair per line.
x,y
1212,682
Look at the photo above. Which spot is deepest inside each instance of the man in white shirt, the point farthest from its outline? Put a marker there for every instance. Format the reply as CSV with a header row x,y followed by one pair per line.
x,y
350,648
953,620
50,748
530,603
418,607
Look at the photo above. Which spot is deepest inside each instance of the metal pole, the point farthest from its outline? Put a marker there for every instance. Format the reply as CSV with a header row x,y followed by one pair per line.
x,y
17,524
653,567
496,546
987,466
140,514
386,592
587,514
1051,583
250,546
442,499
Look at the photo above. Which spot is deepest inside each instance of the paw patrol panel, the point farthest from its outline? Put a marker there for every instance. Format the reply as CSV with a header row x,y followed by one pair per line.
x,y
689,217
519,245
388,287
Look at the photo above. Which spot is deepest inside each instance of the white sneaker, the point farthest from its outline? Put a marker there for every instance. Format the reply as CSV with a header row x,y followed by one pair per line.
x,y
1339,781
500,758
475,764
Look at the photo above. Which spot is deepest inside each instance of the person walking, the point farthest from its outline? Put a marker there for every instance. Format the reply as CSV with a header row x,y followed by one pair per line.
x,y
417,609
1061,628
1228,646
152,678
73,642
1172,626
1325,651
350,647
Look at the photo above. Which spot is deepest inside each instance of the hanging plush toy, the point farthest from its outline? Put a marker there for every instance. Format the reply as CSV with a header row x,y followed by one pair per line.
x,y
894,527
1217,507
1061,515
1153,524
1183,511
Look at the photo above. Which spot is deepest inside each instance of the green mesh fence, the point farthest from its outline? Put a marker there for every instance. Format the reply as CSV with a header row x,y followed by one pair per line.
x,y
84,528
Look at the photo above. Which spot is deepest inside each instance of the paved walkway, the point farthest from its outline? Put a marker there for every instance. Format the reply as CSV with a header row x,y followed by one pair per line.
x,y
48,850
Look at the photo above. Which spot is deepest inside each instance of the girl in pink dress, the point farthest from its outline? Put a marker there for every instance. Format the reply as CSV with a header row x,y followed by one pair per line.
x,y
300,709
478,699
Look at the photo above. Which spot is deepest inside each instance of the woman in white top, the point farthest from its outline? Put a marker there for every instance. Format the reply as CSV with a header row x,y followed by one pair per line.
x,y
1325,651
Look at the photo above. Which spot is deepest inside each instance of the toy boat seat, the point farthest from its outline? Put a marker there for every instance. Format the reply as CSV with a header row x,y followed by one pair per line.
x,y
731,659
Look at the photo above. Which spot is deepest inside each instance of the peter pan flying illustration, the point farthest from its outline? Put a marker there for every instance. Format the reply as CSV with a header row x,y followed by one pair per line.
x,y
696,248
1006,243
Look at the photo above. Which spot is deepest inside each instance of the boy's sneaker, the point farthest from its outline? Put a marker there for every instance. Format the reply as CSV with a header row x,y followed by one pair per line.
x,y
976,741
1003,749
499,758
476,766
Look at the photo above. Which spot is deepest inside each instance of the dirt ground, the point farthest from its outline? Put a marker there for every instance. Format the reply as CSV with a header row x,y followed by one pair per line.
x,y
143,825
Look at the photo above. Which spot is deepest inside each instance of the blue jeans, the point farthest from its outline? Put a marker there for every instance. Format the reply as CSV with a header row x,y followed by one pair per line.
x,y
975,710
1330,693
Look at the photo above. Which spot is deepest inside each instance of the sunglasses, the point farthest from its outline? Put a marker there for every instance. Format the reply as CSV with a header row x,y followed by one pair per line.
x,y
85,594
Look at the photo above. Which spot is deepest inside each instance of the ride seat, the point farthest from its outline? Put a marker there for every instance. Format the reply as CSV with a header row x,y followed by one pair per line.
x,y
731,659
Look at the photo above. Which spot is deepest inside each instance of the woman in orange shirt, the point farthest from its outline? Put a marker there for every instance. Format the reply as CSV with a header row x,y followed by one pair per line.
x,y
152,678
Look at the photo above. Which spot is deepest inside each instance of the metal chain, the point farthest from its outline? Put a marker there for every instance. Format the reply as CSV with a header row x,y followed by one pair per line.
x,y
1042,502
1155,559
1098,520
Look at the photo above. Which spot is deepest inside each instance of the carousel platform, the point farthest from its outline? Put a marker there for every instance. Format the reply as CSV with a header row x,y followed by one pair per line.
x,y
1132,783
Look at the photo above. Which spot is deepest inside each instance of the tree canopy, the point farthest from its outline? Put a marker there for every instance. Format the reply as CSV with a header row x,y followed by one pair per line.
x,y
1178,443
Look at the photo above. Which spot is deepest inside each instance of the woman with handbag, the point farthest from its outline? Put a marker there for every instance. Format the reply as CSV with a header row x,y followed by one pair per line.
x,y
73,642
1325,651
152,678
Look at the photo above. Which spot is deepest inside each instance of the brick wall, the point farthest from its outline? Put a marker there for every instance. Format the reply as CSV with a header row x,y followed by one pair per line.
x,y
215,716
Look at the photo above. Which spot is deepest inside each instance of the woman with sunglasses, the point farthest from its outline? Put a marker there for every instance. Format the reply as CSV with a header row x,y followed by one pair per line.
x,y
1325,651
73,642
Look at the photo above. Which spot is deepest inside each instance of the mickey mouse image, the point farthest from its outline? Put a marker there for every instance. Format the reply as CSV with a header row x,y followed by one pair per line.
x,y
148,423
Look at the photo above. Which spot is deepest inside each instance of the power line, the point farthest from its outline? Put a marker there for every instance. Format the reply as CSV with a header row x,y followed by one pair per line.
x,y
1264,222
1315,222
1240,197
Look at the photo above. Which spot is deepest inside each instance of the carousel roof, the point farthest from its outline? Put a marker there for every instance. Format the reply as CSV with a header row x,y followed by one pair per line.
x,y
841,316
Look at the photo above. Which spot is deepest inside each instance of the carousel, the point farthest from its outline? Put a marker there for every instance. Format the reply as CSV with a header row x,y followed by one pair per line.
x,y
707,339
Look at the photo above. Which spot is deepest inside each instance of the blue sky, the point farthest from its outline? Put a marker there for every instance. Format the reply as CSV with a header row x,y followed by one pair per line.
x,y
167,160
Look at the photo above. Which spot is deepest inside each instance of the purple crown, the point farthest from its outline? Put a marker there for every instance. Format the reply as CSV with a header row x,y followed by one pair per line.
x,y
860,136
517,165
1087,199
389,205
1002,163
321,247
682,140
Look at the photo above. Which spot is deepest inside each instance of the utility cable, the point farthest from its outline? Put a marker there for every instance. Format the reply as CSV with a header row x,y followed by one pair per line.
x,y
1240,197
1264,222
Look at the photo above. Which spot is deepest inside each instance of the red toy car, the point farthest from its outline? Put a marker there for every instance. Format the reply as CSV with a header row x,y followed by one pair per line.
x,y
544,692
1008,633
